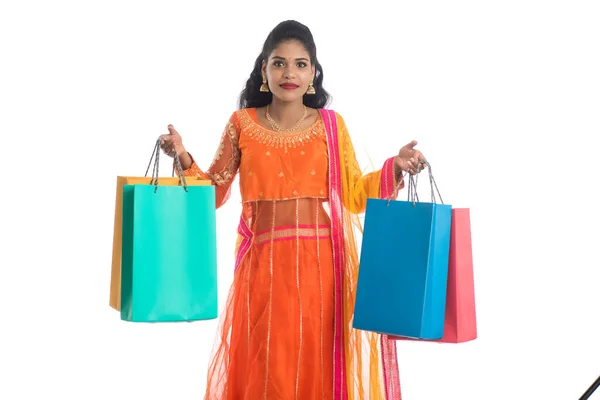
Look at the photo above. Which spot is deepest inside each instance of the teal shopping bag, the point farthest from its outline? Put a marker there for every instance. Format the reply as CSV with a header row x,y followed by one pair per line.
x,y
169,262
402,279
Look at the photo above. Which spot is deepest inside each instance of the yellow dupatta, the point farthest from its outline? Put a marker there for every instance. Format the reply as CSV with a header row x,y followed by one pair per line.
x,y
370,358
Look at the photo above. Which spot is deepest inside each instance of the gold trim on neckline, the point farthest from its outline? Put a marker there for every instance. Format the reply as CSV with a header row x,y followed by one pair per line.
x,y
285,140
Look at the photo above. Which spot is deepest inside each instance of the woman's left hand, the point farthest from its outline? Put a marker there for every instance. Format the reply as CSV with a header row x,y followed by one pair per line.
x,y
410,160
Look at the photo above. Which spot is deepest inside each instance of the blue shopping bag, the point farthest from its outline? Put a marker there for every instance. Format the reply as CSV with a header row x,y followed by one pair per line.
x,y
402,279
169,261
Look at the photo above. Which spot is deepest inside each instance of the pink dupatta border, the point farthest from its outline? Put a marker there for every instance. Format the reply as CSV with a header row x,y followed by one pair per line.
x,y
339,262
247,236
388,347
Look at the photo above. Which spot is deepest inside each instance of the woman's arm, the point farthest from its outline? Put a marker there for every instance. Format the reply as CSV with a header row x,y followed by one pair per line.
x,y
224,166
357,188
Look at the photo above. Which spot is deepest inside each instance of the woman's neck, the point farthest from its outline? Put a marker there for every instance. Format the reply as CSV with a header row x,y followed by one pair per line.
x,y
286,114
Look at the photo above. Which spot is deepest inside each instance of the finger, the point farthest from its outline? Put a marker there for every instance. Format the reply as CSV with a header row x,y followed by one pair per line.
x,y
170,151
172,130
166,145
411,144
412,163
165,138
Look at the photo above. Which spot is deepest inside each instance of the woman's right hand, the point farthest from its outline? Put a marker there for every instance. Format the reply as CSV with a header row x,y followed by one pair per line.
x,y
172,143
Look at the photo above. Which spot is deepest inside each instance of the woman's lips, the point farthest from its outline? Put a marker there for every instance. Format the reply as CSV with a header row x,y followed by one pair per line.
x,y
289,86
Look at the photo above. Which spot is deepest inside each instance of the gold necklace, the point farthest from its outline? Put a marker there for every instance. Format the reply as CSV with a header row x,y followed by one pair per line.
x,y
277,128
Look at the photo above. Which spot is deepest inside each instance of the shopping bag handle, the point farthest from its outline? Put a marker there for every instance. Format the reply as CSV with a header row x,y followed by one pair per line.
x,y
412,195
154,152
155,170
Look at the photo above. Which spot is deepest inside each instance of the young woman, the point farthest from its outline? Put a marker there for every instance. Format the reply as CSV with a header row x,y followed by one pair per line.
x,y
286,331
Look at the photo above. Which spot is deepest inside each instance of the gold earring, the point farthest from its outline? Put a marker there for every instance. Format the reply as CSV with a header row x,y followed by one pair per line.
x,y
264,87
311,89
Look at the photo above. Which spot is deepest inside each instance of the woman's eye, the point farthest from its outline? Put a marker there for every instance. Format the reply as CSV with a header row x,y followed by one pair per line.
x,y
301,64
278,64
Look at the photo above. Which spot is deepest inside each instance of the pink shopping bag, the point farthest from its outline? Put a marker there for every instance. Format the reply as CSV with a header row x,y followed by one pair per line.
x,y
460,323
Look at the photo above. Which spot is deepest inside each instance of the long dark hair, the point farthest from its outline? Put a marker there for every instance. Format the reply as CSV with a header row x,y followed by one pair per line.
x,y
251,96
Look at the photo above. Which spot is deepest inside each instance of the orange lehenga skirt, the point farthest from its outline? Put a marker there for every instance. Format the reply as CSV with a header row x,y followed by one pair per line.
x,y
286,328
281,318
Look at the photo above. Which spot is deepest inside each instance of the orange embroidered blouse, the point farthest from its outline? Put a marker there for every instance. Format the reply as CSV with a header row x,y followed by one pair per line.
x,y
281,166
272,165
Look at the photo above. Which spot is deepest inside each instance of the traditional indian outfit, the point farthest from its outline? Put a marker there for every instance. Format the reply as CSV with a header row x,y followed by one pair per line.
x,y
286,330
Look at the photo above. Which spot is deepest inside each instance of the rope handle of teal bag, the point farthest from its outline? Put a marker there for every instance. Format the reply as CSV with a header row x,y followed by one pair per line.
x,y
412,195
156,157
156,152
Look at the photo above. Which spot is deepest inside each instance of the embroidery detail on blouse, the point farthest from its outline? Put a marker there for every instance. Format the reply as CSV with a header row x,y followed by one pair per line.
x,y
194,170
283,140
228,170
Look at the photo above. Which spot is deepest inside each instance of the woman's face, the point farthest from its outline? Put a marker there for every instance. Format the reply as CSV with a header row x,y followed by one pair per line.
x,y
289,71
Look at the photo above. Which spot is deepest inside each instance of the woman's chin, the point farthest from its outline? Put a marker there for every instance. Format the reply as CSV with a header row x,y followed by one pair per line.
x,y
288,96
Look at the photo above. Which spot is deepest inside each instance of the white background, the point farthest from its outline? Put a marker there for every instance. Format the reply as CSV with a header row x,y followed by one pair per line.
x,y
503,97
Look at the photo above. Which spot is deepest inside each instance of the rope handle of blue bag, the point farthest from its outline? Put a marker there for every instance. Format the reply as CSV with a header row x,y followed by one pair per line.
x,y
156,157
412,195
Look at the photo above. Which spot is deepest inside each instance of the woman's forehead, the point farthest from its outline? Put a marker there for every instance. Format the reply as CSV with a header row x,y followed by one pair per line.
x,y
291,49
